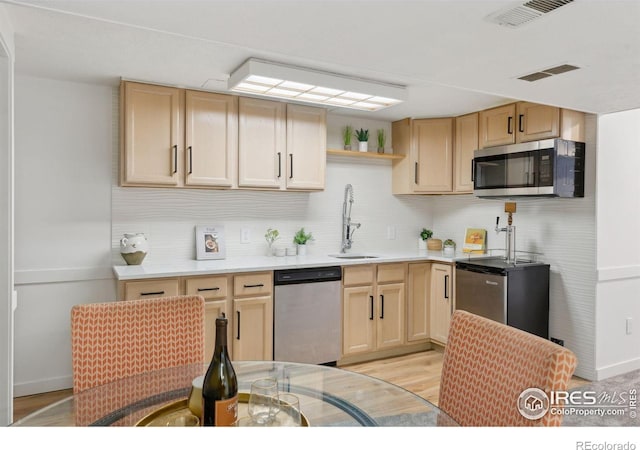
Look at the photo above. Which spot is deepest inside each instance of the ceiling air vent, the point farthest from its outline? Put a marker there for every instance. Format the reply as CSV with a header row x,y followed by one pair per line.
x,y
557,70
525,13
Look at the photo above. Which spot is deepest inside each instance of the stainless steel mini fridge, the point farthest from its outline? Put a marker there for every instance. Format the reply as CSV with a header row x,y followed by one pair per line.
x,y
516,294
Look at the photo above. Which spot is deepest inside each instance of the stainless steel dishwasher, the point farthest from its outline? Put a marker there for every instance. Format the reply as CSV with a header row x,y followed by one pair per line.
x,y
307,315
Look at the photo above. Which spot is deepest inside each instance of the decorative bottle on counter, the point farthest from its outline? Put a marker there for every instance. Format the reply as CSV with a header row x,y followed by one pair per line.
x,y
220,386
133,248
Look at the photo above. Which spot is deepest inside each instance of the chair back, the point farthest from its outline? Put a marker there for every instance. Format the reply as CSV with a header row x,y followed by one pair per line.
x,y
115,340
487,365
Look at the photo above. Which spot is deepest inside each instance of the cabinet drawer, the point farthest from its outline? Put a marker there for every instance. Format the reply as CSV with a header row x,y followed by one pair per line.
x,y
354,275
253,284
151,288
208,287
388,273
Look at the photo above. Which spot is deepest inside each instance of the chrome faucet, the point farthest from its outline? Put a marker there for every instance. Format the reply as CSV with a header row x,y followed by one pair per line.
x,y
348,227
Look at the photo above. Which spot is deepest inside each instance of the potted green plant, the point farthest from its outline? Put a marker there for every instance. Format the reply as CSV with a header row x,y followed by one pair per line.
x,y
382,138
300,239
271,236
432,243
422,240
347,133
449,247
363,139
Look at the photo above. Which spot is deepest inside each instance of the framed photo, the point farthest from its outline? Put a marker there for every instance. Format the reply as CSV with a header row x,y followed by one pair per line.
x,y
210,242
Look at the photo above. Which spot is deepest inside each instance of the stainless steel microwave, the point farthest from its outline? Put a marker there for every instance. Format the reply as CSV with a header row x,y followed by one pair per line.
x,y
547,168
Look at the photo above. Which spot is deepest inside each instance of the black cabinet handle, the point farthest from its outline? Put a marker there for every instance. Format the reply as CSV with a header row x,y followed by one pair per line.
x,y
279,164
446,286
208,289
371,310
190,160
238,332
152,293
520,124
473,171
291,164
415,173
509,127
253,285
175,159
382,306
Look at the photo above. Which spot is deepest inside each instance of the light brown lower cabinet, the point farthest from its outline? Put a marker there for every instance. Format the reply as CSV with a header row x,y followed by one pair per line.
x,y
442,301
373,307
418,293
246,299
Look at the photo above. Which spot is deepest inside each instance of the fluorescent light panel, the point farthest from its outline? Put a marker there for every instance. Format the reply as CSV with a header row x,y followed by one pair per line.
x,y
295,83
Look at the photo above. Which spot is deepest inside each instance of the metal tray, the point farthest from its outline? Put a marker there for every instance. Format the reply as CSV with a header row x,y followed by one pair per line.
x,y
177,413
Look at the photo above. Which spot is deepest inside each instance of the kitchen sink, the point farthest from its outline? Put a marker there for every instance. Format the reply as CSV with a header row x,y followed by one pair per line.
x,y
348,256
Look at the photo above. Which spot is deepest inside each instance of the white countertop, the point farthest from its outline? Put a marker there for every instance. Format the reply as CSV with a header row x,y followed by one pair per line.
x,y
258,263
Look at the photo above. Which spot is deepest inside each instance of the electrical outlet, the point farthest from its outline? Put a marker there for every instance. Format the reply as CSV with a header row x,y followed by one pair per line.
x,y
245,236
557,341
391,232
629,323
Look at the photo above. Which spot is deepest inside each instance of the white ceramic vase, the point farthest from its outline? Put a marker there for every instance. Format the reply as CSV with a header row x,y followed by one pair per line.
x,y
134,248
363,146
302,249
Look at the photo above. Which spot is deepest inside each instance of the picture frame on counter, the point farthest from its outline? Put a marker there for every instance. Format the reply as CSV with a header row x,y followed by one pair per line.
x,y
210,242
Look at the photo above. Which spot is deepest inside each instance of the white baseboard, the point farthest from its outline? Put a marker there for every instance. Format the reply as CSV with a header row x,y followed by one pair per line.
x,y
41,386
617,369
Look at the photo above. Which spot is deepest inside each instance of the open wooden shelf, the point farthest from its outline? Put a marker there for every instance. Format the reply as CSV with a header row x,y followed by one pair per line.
x,y
357,154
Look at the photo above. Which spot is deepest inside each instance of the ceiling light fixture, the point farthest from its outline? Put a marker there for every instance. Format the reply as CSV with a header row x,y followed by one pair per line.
x,y
271,79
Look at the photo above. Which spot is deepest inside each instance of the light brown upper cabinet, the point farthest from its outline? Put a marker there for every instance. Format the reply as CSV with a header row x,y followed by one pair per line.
x,y
525,121
281,146
428,145
466,142
306,147
151,135
173,137
211,139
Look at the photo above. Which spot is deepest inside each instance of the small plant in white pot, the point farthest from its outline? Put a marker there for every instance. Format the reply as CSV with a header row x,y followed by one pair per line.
x,y
363,139
422,240
449,248
382,138
300,239
347,134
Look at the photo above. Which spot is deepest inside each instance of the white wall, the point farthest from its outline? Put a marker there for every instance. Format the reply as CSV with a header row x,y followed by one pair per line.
x,y
564,230
63,167
618,225
7,52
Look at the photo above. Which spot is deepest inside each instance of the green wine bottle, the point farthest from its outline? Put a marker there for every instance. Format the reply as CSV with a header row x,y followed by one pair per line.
x,y
220,386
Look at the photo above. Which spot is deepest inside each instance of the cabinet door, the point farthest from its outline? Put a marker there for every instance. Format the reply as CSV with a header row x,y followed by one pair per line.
x,y
306,147
211,139
253,328
497,126
418,291
152,136
212,310
390,330
465,143
358,320
433,150
441,301
537,122
261,143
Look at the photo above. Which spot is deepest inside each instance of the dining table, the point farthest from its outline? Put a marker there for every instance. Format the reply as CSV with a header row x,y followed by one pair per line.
x,y
329,397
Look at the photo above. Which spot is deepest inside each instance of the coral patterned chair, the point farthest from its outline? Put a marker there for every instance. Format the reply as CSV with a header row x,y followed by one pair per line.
x,y
116,340
119,339
487,365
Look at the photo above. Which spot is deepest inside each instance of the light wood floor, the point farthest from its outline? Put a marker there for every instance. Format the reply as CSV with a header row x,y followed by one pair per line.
x,y
418,373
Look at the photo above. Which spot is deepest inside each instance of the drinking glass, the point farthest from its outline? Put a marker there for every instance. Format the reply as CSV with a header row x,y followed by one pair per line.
x,y
263,400
289,415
